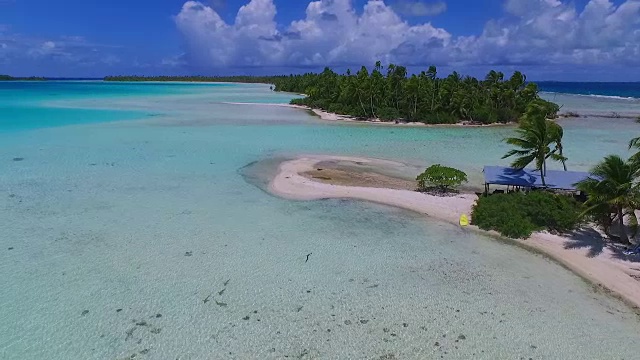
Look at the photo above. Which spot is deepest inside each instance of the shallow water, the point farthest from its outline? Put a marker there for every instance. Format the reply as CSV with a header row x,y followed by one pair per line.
x,y
596,104
154,216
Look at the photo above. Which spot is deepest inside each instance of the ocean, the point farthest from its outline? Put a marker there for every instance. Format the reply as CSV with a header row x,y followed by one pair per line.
x,y
623,90
594,98
134,224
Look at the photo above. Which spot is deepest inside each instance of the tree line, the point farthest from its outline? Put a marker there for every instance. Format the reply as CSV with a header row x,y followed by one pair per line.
x,y
11,78
392,94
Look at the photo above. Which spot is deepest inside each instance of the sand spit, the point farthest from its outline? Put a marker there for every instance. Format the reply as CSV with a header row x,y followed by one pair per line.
x,y
329,116
605,268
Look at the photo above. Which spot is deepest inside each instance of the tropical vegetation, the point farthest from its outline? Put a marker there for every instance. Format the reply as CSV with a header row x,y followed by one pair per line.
x,y
423,97
11,78
440,178
537,139
613,189
518,215
613,194
392,94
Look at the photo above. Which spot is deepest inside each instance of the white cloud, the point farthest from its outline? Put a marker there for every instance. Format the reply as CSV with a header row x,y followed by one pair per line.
x,y
420,8
333,32
550,31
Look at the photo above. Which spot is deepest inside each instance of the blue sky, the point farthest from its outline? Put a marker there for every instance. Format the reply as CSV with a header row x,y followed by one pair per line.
x,y
547,39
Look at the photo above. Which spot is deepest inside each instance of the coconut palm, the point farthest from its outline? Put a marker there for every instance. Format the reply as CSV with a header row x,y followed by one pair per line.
x,y
536,134
635,144
425,97
612,190
556,136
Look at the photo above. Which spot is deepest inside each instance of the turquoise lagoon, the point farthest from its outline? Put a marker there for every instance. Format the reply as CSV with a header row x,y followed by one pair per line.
x,y
134,221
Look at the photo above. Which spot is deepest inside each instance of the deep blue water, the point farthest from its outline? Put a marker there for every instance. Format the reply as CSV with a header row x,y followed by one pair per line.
x,y
614,89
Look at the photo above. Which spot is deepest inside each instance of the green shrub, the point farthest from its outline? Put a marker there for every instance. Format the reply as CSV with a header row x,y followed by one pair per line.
x,y
438,118
517,227
300,101
517,215
441,177
484,115
553,212
506,115
388,114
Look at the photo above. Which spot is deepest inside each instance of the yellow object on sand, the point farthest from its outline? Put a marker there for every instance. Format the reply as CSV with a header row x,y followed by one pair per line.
x,y
464,220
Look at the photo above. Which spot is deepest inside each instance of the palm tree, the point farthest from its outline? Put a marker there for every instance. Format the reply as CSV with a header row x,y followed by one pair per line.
x,y
426,97
556,136
612,189
635,143
362,87
536,134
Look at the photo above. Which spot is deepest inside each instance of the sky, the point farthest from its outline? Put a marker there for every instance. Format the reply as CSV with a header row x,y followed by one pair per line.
x,y
578,40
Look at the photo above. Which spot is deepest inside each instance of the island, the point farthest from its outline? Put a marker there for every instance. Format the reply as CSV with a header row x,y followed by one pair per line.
x,y
29,78
391,95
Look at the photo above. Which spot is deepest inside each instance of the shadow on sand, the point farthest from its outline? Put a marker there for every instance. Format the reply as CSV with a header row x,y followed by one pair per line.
x,y
620,255
588,238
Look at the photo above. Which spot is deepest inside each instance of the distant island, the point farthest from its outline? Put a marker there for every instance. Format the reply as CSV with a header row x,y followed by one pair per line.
x,y
424,97
197,78
30,78
395,96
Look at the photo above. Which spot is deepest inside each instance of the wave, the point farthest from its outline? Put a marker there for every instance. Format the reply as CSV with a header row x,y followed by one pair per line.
x,y
631,98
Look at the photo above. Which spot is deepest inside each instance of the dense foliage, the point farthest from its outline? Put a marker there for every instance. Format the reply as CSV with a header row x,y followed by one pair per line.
x,y
537,139
517,215
396,96
441,177
240,79
11,78
423,97
613,193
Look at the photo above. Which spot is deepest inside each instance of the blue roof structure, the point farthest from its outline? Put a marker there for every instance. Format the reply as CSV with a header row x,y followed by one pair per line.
x,y
560,180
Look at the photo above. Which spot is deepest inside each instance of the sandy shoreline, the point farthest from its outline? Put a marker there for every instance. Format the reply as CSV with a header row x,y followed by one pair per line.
x,y
328,116
620,277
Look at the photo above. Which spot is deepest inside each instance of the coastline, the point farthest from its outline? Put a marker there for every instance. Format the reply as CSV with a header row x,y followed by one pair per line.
x,y
333,117
615,276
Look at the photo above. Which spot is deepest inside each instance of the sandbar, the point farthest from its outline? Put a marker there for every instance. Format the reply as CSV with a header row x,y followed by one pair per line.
x,y
301,179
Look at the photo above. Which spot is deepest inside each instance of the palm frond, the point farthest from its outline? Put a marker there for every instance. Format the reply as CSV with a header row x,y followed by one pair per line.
x,y
522,162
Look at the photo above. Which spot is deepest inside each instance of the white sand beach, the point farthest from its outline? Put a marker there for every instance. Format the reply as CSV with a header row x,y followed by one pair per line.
x,y
605,270
329,116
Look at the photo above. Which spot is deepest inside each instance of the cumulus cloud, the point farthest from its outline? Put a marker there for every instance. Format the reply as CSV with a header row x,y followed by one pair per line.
x,y
420,8
333,32
551,31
